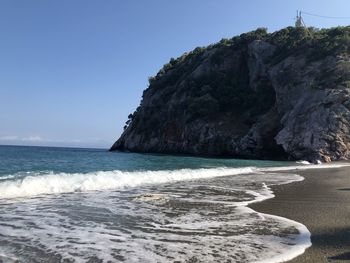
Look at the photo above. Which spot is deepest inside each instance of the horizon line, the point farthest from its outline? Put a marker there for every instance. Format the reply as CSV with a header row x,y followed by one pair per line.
x,y
48,146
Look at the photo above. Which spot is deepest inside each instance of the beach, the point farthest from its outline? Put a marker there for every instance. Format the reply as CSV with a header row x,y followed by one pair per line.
x,y
322,203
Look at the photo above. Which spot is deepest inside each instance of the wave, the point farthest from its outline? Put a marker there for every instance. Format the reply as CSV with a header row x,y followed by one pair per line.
x,y
37,183
304,166
302,241
303,162
56,183
216,224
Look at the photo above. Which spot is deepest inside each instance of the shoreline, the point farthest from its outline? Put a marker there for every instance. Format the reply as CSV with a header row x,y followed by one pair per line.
x,y
321,202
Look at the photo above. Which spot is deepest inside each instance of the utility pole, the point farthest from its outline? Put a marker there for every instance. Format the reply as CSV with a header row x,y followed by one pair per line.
x,y
299,21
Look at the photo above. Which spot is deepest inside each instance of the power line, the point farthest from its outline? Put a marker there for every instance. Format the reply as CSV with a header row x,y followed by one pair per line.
x,y
329,17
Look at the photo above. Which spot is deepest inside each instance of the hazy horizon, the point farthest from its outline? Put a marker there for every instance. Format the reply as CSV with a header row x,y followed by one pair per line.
x,y
52,146
71,72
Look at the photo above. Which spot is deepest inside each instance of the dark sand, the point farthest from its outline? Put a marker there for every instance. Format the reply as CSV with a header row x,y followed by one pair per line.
x,y
322,203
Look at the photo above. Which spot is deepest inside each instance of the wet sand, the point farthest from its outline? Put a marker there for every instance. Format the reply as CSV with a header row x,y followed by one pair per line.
x,y
322,203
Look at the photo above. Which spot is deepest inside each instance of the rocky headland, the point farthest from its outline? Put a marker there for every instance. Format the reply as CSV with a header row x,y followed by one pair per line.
x,y
282,95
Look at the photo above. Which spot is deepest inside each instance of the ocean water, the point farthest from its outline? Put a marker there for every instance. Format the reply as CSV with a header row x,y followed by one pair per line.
x,y
90,205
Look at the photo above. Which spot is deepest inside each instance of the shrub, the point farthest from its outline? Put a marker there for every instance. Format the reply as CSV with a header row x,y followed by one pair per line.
x,y
204,105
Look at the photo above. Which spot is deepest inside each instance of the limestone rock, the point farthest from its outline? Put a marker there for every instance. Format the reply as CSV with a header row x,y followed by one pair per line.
x,y
284,95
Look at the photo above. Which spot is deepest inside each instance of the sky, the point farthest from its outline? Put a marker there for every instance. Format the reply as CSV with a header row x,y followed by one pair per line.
x,y
72,70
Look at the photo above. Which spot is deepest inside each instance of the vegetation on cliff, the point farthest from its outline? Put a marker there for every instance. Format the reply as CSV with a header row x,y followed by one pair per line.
x,y
209,100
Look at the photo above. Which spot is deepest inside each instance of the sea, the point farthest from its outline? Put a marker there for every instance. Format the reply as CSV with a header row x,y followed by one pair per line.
x,y
91,205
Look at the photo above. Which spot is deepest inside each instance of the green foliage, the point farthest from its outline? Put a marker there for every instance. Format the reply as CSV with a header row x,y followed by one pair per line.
x,y
151,80
130,118
317,43
225,89
346,84
290,37
290,40
204,105
194,57
330,42
241,41
258,34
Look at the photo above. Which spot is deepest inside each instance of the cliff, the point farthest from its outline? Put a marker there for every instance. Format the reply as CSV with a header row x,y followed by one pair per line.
x,y
281,95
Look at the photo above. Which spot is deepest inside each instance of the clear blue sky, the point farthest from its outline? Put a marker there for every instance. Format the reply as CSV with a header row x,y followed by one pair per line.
x,y
72,70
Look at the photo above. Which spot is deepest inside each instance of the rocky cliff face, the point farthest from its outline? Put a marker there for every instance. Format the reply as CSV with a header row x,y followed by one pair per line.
x,y
284,95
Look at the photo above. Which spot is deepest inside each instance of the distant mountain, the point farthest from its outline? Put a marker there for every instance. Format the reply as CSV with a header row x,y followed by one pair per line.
x,y
281,95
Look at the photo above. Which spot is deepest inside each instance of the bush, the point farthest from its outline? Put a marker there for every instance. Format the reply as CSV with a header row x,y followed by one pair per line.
x,y
225,89
204,106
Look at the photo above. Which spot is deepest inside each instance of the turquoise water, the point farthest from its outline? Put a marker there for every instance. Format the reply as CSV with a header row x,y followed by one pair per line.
x,y
15,159
91,205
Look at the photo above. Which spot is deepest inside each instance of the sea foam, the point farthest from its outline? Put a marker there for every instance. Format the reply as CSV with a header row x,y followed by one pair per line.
x,y
202,217
198,214
33,184
56,183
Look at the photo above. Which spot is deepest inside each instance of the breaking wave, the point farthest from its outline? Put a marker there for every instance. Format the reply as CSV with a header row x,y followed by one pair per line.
x,y
34,183
55,183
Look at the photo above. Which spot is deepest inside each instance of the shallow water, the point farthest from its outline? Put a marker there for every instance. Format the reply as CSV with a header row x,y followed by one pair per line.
x,y
83,205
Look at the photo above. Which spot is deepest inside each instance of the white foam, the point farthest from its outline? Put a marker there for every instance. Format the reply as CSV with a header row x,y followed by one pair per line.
x,y
77,227
104,180
218,223
6,177
304,167
55,183
303,162
302,242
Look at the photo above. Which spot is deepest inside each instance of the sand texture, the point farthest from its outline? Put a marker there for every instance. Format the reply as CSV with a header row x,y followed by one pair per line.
x,y
322,203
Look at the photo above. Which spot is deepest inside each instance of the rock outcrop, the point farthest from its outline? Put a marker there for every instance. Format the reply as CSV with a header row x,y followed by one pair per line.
x,y
284,95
